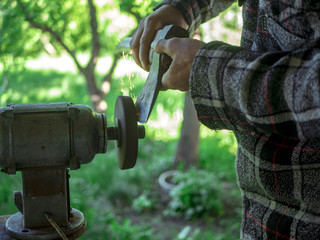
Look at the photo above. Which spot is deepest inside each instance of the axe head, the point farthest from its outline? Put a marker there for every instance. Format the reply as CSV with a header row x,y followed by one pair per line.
x,y
159,65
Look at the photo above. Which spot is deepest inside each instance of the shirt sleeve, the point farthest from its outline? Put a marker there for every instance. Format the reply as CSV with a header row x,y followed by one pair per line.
x,y
198,11
274,92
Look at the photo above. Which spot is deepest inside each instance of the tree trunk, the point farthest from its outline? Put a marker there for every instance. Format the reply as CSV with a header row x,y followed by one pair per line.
x,y
96,95
106,82
188,145
187,150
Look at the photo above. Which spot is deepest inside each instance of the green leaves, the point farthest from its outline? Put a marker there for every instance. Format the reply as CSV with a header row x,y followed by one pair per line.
x,y
15,39
27,27
138,8
197,194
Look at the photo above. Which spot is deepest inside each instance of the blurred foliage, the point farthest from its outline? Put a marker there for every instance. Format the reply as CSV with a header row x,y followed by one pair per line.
x,y
224,147
38,86
126,230
7,185
70,20
118,202
232,17
16,38
104,194
189,233
142,203
197,194
137,8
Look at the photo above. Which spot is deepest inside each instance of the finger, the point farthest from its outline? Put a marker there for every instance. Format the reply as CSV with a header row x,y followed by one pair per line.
x,y
160,46
145,42
175,79
135,45
165,84
167,80
167,46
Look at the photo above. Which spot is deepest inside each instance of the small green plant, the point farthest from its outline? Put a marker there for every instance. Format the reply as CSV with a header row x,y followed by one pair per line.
x,y
196,195
142,203
119,230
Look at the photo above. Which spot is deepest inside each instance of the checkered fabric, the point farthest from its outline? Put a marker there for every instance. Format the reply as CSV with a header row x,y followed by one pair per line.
x,y
268,93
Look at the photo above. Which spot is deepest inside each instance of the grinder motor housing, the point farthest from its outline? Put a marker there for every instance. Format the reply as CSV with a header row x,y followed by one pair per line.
x,y
50,135
44,141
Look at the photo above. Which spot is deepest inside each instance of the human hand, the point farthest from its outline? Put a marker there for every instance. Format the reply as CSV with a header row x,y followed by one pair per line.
x,y
141,40
182,51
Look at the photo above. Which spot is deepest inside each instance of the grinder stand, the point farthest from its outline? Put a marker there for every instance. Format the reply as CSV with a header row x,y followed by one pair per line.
x,y
44,141
45,198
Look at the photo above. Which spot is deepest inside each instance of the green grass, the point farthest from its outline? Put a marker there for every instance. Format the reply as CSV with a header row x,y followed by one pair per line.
x,y
106,194
38,86
217,153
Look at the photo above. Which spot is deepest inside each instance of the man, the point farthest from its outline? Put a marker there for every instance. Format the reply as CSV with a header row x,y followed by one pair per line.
x,y
267,92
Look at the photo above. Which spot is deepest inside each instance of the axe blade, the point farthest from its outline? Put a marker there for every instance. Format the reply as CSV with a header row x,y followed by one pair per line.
x,y
124,46
159,65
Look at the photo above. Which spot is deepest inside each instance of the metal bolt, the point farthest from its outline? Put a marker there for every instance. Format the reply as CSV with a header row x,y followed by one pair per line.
x,y
112,133
141,132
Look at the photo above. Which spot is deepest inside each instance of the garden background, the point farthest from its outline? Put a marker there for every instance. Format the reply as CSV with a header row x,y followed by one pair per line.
x,y
64,51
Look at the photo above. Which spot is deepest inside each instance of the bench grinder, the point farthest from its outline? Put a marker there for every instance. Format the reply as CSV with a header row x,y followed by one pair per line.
x,y
44,141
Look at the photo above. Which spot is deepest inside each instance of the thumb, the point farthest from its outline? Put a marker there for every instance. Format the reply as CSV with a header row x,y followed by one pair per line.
x,y
160,46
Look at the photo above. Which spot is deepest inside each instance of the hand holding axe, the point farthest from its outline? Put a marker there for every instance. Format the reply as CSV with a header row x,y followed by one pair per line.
x,y
159,65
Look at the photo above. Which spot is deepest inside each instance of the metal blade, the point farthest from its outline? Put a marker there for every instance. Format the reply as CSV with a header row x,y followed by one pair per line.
x,y
124,45
150,91
159,65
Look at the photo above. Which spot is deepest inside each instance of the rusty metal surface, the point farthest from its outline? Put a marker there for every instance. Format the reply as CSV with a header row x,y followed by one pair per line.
x,y
15,229
46,135
43,141
45,191
3,233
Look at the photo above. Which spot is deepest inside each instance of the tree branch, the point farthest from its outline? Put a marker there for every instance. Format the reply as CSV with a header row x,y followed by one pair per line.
x,y
95,36
116,57
54,34
136,15
108,76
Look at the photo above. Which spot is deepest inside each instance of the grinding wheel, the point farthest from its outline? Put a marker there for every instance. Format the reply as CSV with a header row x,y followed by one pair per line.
x,y
125,119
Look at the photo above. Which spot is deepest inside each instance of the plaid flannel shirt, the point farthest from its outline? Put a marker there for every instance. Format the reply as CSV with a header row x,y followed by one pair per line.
x,y
268,93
